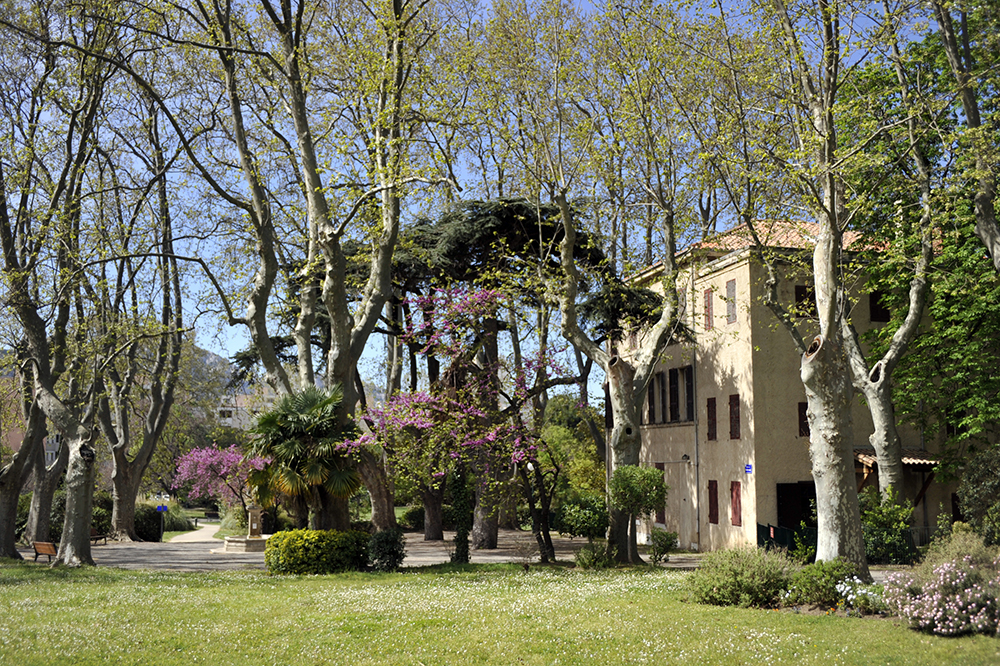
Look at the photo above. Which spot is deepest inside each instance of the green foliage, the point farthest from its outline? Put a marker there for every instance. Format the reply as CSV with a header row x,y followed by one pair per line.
x,y
174,519
662,543
413,518
584,516
960,543
316,551
301,435
885,522
979,494
234,519
637,491
748,577
595,555
816,583
387,549
148,522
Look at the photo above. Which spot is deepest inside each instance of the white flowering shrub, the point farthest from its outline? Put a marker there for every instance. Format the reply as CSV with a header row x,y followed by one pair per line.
x,y
959,598
858,597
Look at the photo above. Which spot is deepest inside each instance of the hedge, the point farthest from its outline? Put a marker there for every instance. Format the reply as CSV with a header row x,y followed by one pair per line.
x,y
316,551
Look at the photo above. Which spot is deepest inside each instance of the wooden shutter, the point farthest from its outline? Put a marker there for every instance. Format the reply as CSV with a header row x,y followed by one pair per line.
x,y
674,396
710,420
661,380
731,302
661,513
734,416
708,309
736,501
689,393
713,502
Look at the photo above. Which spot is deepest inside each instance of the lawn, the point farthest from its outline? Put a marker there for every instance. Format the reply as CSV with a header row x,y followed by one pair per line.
x,y
482,615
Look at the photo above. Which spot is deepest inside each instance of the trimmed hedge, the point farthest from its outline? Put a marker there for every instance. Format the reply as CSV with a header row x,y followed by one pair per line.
x,y
316,551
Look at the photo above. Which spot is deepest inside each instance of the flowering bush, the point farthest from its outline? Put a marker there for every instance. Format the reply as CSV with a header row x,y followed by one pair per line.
x,y
859,597
959,598
219,473
818,583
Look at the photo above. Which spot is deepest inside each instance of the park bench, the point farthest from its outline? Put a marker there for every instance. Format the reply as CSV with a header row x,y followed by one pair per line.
x,y
44,548
95,537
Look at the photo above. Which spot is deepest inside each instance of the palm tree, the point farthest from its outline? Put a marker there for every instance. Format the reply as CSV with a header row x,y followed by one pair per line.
x,y
301,437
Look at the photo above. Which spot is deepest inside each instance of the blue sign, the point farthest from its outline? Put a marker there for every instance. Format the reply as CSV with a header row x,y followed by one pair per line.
x,y
161,508
749,469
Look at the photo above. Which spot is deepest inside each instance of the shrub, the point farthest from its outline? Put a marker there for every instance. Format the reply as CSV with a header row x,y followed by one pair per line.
x,y
21,522
174,519
747,577
959,598
817,583
637,491
235,519
148,522
858,597
386,550
661,543
316,551
100,520
363,526
584,516
886,523
413,518
595,555
962,542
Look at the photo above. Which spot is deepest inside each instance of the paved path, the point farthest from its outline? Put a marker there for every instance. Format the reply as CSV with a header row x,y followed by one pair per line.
x,y
200,551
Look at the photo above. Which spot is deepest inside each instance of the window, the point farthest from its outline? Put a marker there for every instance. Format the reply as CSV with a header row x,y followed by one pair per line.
x,y
713,502
734,416
710,421
661,513
731,302
803,419
661,379
708,309
805,301
736,503
679,394
877,310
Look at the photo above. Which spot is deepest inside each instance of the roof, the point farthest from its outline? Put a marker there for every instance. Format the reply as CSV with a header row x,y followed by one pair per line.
x,y
774,234
915,457
787,234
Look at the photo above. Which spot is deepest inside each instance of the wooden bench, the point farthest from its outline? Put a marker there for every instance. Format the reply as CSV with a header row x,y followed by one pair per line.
x,y
44,548
95,537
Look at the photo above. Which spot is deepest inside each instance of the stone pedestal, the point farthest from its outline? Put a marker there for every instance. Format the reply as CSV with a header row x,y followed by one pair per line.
x,y
242,544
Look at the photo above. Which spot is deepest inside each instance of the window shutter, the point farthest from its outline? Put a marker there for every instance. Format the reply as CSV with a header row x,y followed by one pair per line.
x,y
674,396
731,302
661,380
689,393
737,503
710,420
734,416
713,502
661,513
708,309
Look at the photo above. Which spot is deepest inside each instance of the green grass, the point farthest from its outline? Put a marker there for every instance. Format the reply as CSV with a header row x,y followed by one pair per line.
x,y
167,536
445,615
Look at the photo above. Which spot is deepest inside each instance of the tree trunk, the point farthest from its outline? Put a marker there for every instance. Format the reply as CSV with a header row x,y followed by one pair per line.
x,y
125,486
46,482
633,542
74,548
12,478
433,500
377,483
330,512
544,514
536,518
829,392
485,523
624,444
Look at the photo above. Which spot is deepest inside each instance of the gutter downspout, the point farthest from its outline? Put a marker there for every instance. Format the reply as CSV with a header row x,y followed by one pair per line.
x,y
697,439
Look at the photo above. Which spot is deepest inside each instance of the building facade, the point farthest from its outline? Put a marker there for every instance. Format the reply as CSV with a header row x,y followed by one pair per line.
x,y
725,415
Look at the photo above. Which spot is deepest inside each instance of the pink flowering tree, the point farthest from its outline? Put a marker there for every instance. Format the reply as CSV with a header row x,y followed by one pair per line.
x,y
222,473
